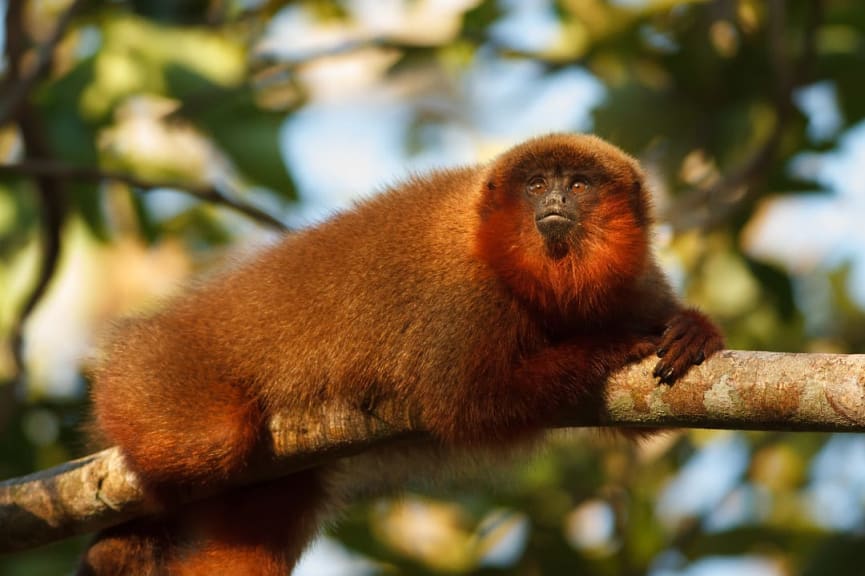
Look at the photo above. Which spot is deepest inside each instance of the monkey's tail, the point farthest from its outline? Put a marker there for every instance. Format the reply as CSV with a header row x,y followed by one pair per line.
x,y
137,547
261,530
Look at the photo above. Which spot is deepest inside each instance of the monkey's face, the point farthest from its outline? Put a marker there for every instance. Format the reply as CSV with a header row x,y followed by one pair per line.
x,y
557,197
574,193
561,215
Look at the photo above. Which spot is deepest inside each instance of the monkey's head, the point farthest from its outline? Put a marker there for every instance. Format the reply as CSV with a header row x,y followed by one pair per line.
x,y
565,218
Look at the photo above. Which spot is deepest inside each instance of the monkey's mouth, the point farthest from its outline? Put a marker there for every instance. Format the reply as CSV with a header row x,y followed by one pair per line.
x,y
553,217
554,224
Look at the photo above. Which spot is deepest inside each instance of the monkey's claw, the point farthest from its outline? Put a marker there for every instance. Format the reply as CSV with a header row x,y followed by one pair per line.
x,y
690,338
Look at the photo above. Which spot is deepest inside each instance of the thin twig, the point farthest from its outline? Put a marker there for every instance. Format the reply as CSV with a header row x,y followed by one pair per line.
x,y
212,194
710,207
20,87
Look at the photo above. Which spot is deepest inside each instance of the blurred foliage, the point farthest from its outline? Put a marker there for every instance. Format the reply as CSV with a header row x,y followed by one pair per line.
x,y
705,93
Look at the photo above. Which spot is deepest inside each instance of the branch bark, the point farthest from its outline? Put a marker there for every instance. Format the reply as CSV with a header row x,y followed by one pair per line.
x,y
739,390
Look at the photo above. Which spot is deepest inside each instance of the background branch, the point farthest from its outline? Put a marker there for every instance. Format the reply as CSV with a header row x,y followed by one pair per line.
x,y
212,194
740,390
712,206
49,188
19,86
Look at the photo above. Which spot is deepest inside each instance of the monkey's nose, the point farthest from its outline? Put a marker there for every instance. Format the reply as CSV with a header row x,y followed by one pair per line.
x,y
555,198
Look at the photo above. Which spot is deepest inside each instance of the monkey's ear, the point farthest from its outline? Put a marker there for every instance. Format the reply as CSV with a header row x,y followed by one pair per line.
x,y
640,202
490,200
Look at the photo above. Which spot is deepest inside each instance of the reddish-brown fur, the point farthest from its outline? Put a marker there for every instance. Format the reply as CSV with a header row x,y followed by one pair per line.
x,y
440,294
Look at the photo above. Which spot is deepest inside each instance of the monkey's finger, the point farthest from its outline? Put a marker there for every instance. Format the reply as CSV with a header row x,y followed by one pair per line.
x,y
663,371
669,376
672,334
675,364
675,331
707,345
669,344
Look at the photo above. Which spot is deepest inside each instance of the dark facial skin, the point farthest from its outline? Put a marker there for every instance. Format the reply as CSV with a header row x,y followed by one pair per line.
x,y
557,196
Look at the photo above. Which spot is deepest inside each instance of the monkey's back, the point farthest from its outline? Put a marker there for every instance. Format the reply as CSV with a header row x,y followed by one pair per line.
x,y
384,298
377,301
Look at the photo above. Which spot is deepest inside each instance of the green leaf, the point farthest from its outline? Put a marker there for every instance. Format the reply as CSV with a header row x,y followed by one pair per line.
x,y
477,21
18,215
247,133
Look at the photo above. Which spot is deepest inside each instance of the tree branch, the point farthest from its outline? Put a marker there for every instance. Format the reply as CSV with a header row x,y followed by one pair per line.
x,y
710,207
49,189
20,87
211,194
741,390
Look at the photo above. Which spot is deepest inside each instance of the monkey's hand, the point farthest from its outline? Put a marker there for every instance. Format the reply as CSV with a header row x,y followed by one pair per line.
x,y
689,338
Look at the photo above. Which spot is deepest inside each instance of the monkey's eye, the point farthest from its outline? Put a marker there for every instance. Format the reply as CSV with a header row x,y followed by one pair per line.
x,y
537,185
578,186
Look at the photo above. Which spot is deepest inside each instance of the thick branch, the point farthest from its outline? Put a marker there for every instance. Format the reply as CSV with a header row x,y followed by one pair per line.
x,y
741,390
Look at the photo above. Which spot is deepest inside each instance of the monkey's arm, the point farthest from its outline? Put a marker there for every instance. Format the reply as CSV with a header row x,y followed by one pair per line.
x,y
682,336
